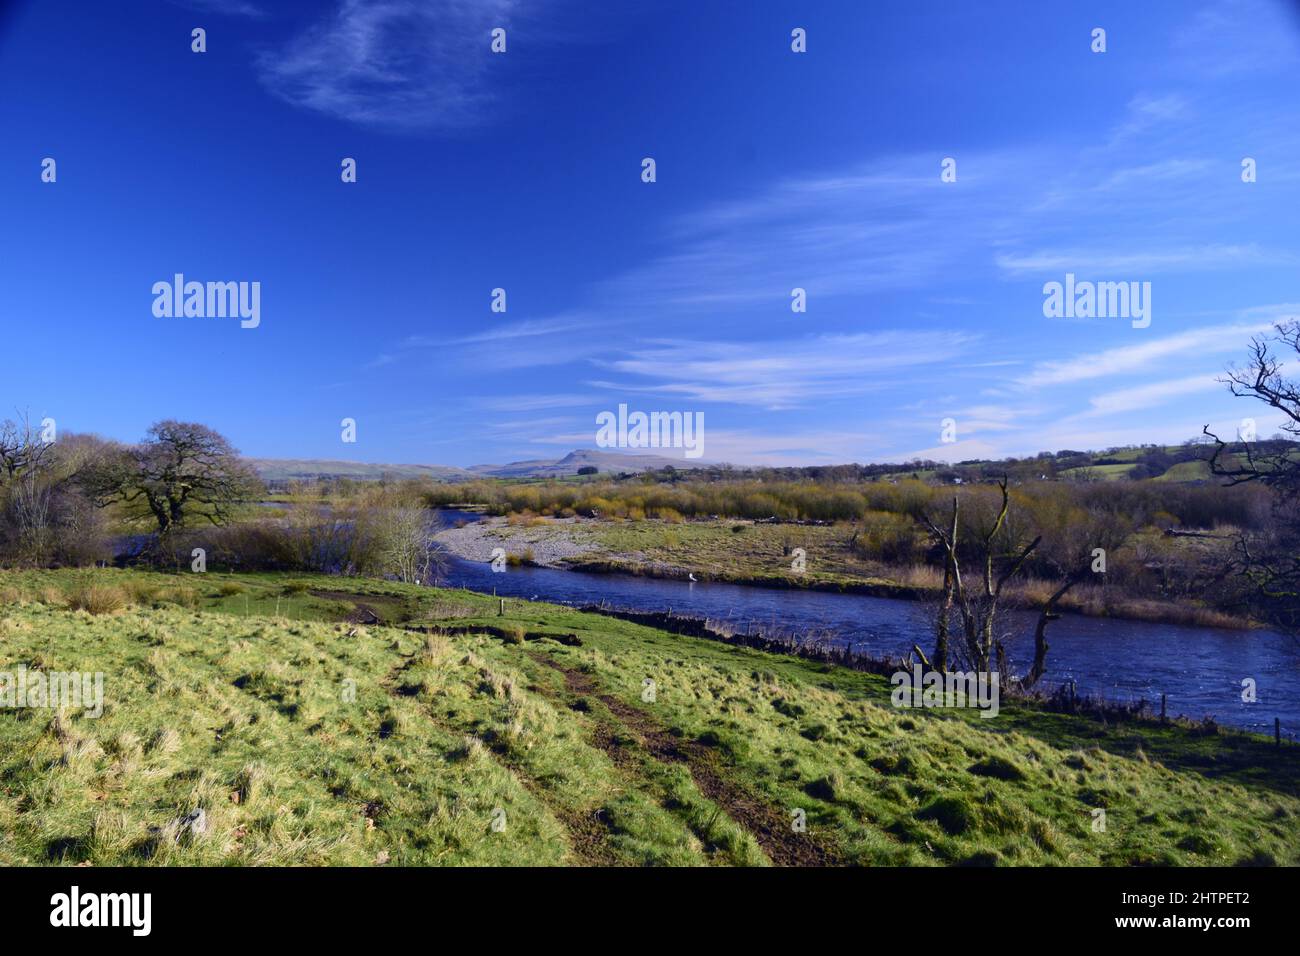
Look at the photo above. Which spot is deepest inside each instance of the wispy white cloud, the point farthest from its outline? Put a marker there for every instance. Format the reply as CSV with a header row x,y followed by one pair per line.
x,y
1148,111
380,361
404,64
231,8
528,328
978,419
1142,356
846,232
1238,36
525,343
1163,171
1146,397
1146,261
770,446
963,450
525,429
789,446
536,402
786,373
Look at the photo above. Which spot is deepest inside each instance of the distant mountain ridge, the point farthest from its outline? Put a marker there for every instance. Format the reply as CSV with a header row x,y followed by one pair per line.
x,y
289,469
605,461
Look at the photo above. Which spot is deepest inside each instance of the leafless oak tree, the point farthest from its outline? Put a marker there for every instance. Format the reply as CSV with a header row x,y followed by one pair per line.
x,y
182,473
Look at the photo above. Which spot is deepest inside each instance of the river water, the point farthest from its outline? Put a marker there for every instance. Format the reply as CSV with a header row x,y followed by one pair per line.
x,y
1200,669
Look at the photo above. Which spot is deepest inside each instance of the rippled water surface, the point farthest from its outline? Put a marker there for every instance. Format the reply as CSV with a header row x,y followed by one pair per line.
x,y
1200,669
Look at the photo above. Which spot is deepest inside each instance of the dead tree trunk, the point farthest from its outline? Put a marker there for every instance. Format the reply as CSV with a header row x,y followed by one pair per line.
x,y
1045,617
945,605
978,613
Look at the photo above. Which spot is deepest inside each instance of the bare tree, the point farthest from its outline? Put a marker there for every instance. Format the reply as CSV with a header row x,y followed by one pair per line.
x,y
180,474
406,548
20,448
1270,562
25,460
977,607
1272,463
950,573
1077,548
46,516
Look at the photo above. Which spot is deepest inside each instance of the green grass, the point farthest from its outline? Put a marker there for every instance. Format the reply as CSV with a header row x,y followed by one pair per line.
x,y
1124,454
721,550
757,550
1105,472
214,702
1189,471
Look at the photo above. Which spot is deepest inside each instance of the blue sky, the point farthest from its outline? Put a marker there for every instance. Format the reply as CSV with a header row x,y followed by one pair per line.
x,y
775,170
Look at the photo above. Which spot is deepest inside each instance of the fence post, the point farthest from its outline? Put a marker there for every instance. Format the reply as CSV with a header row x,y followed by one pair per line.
x,y
1162,707
1277,731
502,609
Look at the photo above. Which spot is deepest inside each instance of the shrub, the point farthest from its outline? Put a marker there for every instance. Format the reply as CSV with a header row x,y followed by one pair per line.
x,y
525,519
97,599
141,592
181,595
891,538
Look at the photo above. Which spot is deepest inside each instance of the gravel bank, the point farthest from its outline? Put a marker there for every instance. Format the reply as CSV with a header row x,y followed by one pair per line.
x,y
552,543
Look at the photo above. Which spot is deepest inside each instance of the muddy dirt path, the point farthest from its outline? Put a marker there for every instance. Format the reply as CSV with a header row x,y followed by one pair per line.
x,y
769,825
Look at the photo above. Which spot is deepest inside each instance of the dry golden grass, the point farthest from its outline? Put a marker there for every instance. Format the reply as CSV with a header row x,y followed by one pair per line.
x,y
98,599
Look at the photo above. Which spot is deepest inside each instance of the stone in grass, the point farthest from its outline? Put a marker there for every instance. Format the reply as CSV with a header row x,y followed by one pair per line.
x,y
186,829
193,825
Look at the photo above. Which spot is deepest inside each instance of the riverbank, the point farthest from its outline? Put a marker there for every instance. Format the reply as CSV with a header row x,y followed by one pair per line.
x,y
765,555
308,737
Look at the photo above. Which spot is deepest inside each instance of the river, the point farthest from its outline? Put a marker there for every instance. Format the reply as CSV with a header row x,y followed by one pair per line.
x,y
1200,669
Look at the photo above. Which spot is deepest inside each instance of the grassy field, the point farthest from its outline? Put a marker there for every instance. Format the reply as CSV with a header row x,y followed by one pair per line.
x,y
450,734
1192,471
1103,472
